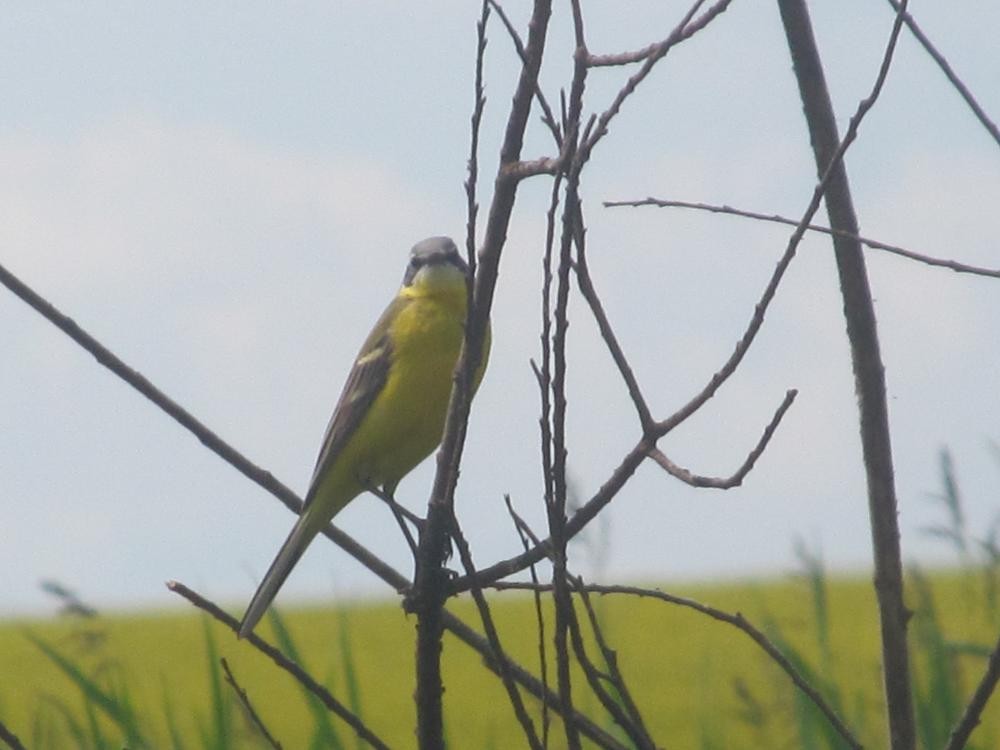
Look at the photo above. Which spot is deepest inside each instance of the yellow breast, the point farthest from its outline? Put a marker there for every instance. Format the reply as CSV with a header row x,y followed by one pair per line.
x,y
405,422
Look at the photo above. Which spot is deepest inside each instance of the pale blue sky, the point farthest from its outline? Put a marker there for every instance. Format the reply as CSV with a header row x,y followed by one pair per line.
x,y
225,196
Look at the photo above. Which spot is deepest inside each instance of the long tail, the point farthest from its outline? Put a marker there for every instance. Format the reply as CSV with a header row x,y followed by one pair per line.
x,y
302,534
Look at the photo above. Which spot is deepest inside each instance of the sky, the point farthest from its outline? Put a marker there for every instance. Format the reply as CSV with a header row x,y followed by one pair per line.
x,y
225,196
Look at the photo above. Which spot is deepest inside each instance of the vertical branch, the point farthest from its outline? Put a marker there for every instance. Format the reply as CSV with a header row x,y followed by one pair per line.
x,y
556,505
545,374
472,206
544,385
489,627
869,373
526,536
431,580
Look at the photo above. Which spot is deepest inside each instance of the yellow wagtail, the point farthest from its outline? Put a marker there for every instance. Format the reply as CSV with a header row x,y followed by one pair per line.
x,y
391,413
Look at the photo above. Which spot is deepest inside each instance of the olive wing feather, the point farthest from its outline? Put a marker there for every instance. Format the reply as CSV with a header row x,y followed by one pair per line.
x,y
364,383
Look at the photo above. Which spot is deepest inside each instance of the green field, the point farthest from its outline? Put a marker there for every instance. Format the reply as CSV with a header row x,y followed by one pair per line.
x,y
700,683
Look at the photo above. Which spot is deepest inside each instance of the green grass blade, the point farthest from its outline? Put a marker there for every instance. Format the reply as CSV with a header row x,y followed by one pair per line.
x,y
815,732
350,672
939,698
218,733
119,713
324,733
176,740
47,732
93,724
815,574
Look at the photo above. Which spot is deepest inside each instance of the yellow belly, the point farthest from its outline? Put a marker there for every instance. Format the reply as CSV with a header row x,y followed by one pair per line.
x,y
405,421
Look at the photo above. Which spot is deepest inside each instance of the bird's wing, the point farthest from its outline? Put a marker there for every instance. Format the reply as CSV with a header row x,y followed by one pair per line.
x,y
364,383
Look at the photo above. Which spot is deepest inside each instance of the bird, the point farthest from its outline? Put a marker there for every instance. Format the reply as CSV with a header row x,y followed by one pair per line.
x,y
390,415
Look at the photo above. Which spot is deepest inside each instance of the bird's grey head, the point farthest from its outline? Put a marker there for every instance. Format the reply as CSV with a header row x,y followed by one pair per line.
x,y
434,252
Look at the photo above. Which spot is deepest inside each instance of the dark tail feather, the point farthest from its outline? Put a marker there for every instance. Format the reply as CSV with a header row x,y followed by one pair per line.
x,y
301,535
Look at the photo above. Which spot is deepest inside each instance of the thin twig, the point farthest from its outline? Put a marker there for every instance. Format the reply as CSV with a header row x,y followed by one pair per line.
x,y
656,54
586,284
736,479
402,515
632,724
614,671
525,534
775,218
971,716
544,374
530,683
737,620
547,116
635,732
493,636
244,700
587,512
335,706
960,87
556,503
471,182
626,58
631,461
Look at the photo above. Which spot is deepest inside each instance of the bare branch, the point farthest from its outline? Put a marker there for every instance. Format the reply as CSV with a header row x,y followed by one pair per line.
x,y
971,717
547,116
493,636
556,503
626,58
655,55
525,533
960,87
586,285
869,373
596,678
775,218
282,661
574,525
402,516
472,206
641,450
635,726
631,724
737,620
531,683
244,700
750,333
725,483
208,438
544,374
